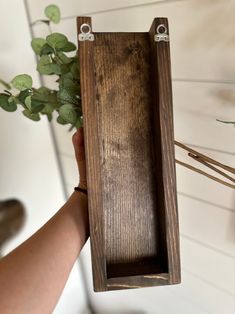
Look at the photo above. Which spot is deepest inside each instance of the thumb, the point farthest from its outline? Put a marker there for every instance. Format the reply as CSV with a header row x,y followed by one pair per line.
x,y
78,144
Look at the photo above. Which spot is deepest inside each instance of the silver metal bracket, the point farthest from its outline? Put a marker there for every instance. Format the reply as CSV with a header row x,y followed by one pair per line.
x,y
86,33
161,34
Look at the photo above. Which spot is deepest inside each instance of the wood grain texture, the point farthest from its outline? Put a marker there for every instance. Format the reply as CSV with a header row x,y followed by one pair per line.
x,y
133,282
129,178
164,142
124,112
93,165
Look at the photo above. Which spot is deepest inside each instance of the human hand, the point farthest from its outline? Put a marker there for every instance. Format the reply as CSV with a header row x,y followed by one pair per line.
x,y
78,144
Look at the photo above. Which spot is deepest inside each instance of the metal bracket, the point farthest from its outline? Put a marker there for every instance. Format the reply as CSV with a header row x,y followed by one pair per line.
x,y
86,33
161,34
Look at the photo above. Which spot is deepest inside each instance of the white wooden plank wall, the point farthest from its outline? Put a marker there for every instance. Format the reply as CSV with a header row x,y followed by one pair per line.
x,y
203,50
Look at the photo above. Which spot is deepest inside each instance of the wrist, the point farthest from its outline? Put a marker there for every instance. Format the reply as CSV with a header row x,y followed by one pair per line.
x,y
76,209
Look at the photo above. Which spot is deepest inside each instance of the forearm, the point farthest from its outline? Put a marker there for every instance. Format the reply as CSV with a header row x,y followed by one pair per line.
x,y
33,276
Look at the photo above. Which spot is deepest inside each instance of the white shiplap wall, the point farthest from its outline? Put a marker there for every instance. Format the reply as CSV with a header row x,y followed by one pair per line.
x,y
203,50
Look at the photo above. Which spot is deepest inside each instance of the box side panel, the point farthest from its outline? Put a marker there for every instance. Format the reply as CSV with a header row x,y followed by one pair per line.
x,y
93,166
164,139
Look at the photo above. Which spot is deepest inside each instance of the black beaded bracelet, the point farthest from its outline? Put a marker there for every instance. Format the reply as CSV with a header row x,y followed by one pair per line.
x,y
78,189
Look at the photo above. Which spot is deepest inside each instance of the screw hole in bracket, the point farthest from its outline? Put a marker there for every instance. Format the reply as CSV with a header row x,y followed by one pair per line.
x,y
161,34
86,33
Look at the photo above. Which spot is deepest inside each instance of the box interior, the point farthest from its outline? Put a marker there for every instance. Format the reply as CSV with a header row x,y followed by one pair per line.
x,y
133,205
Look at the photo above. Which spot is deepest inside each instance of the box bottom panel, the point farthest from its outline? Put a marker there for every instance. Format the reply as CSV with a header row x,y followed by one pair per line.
x,y
136,268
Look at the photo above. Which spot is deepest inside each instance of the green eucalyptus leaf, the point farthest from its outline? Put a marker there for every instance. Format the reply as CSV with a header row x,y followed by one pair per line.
x,y
12,99
64,69
63,96
4,99
7,105
57,41
23,94
75,70
37,108
47,67
37,101
68,76
48,109
37,105
28,101
69,47
64,58
45,99
22,82
60,120
68,113
46,50
43,90
53,13
66,82
53,101
68,95
79,122
10,107
37,44
30,115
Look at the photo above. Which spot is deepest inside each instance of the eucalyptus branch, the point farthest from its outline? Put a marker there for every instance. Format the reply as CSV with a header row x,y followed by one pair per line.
x,y
52,60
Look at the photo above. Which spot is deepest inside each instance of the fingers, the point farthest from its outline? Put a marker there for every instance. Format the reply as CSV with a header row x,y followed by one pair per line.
x,y
78,144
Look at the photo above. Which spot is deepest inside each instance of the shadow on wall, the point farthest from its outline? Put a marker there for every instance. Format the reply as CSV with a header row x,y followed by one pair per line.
x,y
226,99
216,101
12,218
217,25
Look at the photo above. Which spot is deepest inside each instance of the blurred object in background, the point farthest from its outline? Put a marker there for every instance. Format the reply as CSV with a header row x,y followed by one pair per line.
x,y
12,218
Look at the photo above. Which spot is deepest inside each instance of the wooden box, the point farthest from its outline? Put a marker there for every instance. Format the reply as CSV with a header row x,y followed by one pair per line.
x,y
129,143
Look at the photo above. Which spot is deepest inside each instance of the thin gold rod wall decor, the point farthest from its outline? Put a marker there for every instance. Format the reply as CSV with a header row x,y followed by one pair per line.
x,y
209,163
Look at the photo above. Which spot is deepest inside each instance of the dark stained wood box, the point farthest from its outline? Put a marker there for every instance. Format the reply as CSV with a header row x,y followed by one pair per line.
x,y
129,142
